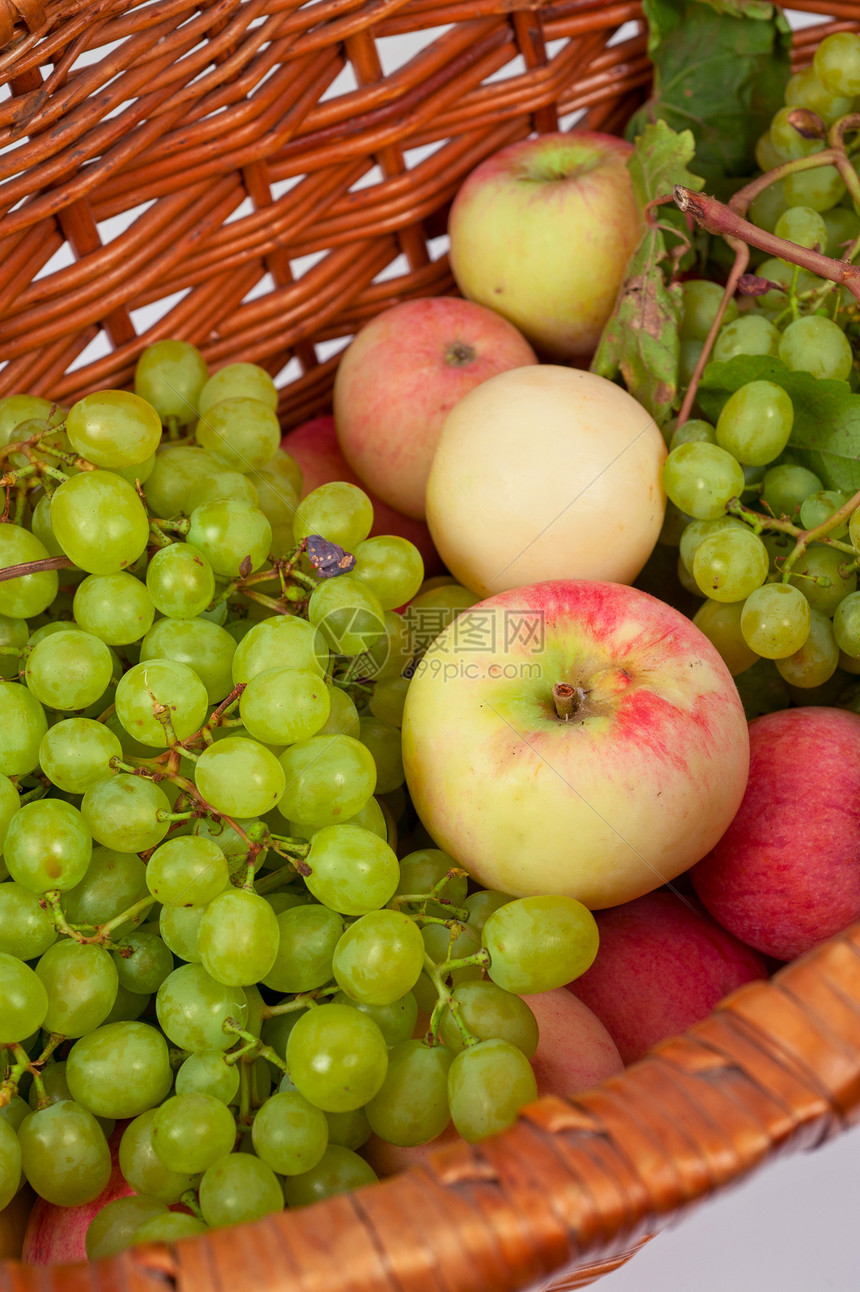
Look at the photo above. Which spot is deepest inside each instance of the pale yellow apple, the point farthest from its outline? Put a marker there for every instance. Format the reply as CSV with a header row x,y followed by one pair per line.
x,y
546,473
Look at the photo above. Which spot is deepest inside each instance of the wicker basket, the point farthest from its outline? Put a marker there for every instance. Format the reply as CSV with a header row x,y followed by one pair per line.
x,y
265,176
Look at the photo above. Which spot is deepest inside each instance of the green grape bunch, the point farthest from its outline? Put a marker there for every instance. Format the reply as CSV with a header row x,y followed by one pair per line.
x,y
206,930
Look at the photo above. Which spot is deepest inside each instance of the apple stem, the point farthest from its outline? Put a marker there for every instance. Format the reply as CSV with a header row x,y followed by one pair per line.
x,y
566,699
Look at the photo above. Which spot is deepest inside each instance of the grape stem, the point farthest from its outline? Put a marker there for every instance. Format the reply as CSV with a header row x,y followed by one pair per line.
x,y
251,1043
301,1000
444,1000
275,879
189,1199
35,567
820,534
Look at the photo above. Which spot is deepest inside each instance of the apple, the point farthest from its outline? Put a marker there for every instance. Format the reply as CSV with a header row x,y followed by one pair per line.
x,y
57,1235
542,232
546,473
13,1223
662,965
574,1052
574,737
314,446
402,375
786,873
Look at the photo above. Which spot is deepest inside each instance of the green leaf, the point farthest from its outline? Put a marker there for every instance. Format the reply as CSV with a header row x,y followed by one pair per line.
x,y
825,437
720,69
640,342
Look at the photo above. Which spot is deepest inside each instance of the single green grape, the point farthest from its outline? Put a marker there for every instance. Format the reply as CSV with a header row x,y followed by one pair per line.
x,y
379,957
128,1006
803,226
160,700
424,870
327,779
785,486
113,428
237,1189
64,1154
240,777
391,567
126,813
116,608
178,468
308,935
200,645
339,512
289,1134
819,189
237,939
347,614
244,432
411,1106
481,905
187,871
488,1084
230,532
48,845
720,621
339,1170
238,381
776,620
170,375
99,521
77,752
817,508
817,345
69,669
26,930
539,943
285,705
179,927
142,960
693,431
287,642
702,299
120,1069
730,564
180,581
189,1132
23,1000
755,423
768,206
487,1010
846,629
192,1008
24,724
28,594
226,484
701,479
81,982
817,659
822,577
352,870
206,1072
837,63
337,1057
694,534
750,334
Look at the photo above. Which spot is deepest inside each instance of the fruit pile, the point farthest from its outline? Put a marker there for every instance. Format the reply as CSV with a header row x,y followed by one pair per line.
x,y
299,848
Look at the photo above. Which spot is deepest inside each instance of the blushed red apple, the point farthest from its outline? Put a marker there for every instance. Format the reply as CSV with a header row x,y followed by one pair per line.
x,y
785,875
661,966
402,375
574,737
314,446
542,232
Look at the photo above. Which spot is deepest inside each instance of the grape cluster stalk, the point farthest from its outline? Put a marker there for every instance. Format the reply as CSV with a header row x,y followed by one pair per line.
x,y
770,547
205,926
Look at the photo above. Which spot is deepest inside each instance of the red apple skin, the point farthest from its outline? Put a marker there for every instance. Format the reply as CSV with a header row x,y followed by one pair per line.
x,y
786,873
662,965
574,1052
56,1235
314,446
402,375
